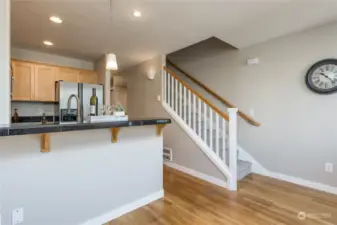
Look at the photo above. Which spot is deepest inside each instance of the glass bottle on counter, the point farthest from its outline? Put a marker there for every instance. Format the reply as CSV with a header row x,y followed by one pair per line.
x,y
93,103
16,117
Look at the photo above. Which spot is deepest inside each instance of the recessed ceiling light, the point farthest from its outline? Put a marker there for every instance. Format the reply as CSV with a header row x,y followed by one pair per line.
x,y
137,14
55,19
48,43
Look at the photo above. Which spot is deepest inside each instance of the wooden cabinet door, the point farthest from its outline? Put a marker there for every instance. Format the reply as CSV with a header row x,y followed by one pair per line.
x,y
89,77
68,75
45,77
23,81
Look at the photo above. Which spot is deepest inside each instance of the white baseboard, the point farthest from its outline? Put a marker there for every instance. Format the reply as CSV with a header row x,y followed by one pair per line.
x,y
202,176
125,209
259,169
302,182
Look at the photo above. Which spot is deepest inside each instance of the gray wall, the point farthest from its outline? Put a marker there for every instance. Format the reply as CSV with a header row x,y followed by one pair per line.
x,y
83,177
5,62
297,136
142,102
103,77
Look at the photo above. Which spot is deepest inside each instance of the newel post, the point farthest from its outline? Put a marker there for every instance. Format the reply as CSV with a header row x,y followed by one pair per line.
x,y
233,146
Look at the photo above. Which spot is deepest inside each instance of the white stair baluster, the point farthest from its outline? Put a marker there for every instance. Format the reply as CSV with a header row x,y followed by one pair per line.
x,y
180,100
189,109
185,105
211,129
172,93
176,95
224,138
205,123
169,90
194,114
164,86
199,116
217,134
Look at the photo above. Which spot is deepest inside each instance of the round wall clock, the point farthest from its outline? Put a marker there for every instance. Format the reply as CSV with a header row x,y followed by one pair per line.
x,y
322,76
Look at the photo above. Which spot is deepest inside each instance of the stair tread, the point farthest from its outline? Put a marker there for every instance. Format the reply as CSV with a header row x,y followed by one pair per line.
x,y
243,165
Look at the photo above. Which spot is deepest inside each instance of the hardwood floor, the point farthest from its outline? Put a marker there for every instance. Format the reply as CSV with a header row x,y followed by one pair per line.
x,y
259,201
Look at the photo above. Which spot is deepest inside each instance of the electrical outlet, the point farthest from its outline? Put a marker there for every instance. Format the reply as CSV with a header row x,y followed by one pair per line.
x,y
329,167
17,216
158,98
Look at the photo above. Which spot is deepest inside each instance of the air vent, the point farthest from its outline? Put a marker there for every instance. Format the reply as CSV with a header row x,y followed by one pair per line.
x,y
167,154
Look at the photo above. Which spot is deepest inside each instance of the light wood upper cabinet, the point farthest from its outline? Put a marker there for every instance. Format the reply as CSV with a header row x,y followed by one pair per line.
x,y
68,75
36,81
45,77
87,76
23,83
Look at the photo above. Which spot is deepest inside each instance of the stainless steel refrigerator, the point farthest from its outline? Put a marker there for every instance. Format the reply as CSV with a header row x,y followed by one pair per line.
x,y
83,92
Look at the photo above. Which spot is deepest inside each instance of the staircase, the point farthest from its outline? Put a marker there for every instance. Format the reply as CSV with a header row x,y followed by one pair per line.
x,y
213,130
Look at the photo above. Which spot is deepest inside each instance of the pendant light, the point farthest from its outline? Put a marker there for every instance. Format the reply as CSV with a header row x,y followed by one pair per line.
x,y
111,59
111,62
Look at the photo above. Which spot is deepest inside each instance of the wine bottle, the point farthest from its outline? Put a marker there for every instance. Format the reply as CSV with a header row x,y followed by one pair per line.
x,y
93,103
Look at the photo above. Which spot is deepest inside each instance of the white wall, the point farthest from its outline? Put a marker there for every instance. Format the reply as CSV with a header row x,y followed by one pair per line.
x,y
5,62
298,129
83,177
36,56
142,102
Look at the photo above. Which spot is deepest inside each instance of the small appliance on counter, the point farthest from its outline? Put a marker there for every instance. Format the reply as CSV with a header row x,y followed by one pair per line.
x,y
16,117
74,101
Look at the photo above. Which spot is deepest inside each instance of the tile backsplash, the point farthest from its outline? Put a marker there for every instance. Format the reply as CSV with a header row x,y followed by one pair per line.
x,y
35,108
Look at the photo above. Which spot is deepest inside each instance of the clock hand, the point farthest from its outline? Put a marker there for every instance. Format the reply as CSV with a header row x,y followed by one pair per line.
x,y
327,77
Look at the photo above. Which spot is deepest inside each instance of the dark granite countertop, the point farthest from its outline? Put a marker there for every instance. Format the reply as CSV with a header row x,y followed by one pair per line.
x,y
33,128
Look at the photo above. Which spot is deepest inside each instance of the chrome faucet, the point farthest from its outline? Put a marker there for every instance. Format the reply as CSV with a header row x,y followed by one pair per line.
x,y
78,114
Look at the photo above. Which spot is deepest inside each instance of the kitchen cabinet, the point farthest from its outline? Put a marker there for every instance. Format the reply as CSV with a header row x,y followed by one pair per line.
x,y
23,81
87,76
36,81
45,77
68,75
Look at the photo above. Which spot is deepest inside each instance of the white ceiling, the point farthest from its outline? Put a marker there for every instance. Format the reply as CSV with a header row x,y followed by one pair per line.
x,y
90,30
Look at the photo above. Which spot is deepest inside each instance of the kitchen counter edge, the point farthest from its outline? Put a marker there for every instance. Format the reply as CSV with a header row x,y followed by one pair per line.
x,y
41,129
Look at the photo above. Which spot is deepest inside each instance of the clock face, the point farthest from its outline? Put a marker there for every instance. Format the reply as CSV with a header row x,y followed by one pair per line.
x,y
322,76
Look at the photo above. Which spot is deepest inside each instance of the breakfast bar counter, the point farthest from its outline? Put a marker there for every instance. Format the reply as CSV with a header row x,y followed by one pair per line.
x,y
25,129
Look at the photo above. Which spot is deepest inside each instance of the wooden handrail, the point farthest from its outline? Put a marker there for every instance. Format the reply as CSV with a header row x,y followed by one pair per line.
x,y
244,116
222,114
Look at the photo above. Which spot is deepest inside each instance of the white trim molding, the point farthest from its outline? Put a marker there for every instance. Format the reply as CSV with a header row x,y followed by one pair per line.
x,y
115,213
302,182
201,176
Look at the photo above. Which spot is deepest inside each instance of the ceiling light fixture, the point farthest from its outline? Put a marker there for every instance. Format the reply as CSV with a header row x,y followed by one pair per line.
x,y
49,43
137,14
55,19
111,62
